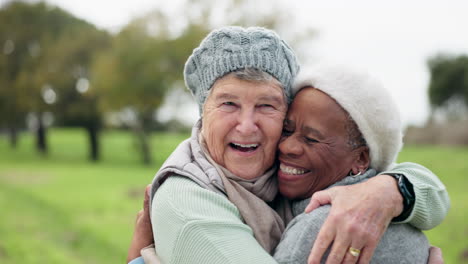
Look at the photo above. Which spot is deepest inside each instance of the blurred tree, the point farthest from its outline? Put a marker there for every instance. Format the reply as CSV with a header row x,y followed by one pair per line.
x,y
144,61
19,44
448,87
25,30
70,57
47,68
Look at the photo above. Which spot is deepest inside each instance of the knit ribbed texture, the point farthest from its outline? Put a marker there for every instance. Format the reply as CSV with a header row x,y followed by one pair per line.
x,y
195,225
231,48
432,200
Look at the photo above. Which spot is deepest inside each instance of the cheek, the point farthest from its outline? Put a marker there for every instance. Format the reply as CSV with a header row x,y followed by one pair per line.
x,y
335,163
212,133
272,129
216,122
322,158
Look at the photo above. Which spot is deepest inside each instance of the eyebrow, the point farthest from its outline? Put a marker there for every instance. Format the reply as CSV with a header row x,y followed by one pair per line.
x,y
273,98
269,98
226,96
306,129
313,131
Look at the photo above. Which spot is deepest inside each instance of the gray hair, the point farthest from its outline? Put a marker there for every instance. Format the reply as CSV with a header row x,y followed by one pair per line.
x,y
355,137
254,75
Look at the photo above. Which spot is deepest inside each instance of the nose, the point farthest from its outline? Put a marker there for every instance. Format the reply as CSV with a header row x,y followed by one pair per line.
x,y
290,146
247,122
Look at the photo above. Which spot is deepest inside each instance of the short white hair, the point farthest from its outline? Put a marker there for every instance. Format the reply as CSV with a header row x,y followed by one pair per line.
x,y
252,75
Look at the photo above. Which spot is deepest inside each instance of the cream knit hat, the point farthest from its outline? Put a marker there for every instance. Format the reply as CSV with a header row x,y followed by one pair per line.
x,y
367,102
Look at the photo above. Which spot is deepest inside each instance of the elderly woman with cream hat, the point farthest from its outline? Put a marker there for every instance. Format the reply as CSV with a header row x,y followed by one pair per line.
x,y
341,129
212,198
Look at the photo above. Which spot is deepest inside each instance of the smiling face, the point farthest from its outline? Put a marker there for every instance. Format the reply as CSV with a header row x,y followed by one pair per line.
x,y
314,149
242,123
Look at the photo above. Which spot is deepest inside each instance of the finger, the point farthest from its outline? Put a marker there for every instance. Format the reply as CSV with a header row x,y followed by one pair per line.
x,y
148,190
146,200
323,241
371,239
359,239
435,256
367,253
338,251
349,258
139,215
313,204
318,199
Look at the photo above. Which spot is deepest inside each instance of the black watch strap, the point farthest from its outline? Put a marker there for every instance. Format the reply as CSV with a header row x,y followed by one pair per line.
x,y
407,192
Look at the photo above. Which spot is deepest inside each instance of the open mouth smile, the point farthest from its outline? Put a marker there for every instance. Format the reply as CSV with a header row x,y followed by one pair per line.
x,y
292,170
244,147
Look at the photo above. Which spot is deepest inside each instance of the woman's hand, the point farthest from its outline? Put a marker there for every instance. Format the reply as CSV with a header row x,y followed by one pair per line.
x,y
358,217
435,256
143,234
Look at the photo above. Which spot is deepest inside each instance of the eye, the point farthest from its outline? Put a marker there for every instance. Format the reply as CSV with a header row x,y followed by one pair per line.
x,y
286,132
228,106
266,108
310,140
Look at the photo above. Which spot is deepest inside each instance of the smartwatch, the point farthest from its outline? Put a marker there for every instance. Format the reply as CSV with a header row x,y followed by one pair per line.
x,y
407,192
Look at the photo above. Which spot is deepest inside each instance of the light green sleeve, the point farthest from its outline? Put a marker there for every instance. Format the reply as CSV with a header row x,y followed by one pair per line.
x,y
195,225
432,200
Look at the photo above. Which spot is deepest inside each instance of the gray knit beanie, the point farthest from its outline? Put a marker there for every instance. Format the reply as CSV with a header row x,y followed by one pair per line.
x,y
232,48
368,103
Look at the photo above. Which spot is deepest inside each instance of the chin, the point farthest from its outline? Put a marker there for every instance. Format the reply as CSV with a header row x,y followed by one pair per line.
x,y
246,173
289,193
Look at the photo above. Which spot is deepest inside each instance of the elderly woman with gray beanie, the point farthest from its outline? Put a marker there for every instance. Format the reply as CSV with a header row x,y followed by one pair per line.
x,y
352,129
211,201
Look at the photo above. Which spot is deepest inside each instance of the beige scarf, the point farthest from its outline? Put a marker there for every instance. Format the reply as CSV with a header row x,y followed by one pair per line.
x,y
251,198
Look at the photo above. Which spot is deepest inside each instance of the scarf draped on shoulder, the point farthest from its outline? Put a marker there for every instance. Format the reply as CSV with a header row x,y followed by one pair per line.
x,y
252,198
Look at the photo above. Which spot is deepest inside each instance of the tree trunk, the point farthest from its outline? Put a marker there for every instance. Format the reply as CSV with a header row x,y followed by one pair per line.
x,y
13,133
93,136
144,144
41,142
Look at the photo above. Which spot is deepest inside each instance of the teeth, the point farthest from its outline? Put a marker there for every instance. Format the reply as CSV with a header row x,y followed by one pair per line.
x,y
246,146
291,170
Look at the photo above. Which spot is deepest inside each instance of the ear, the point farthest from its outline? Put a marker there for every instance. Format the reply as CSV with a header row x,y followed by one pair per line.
x,y
362,161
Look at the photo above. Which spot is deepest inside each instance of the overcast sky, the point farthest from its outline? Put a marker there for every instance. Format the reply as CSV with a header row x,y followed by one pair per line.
x,y
390,39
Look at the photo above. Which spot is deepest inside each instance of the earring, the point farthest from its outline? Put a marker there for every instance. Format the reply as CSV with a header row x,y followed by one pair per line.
x,y
354,175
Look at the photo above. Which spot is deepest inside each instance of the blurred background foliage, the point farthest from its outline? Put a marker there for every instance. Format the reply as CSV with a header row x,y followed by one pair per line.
x,y
70,93
58,69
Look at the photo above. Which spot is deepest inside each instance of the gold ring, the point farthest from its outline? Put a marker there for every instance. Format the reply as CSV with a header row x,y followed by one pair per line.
x,y
354,251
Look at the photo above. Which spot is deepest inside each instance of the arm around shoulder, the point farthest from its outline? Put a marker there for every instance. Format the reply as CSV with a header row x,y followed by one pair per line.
x,y
195,225
432,201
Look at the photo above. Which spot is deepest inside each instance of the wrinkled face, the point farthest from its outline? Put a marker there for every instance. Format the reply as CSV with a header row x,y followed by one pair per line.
x,y
314,150
242,123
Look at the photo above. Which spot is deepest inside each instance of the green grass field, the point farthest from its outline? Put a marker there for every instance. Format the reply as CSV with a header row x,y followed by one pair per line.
x,y
64,209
